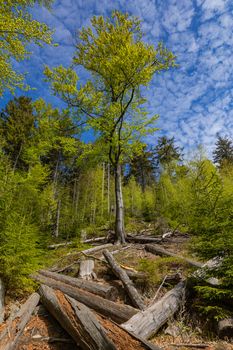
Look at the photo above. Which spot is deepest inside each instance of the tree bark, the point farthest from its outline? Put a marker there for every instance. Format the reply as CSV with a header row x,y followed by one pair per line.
x,y
117,312
76,319
57,223
13,329
105,291
2,300
148,322
86,269
157,250
128,284
225,328
119,219
143,239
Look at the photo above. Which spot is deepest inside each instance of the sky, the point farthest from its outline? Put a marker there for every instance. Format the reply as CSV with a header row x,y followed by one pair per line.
x,y
195,100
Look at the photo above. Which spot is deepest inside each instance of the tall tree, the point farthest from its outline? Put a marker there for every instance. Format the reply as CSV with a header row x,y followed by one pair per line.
x,y
17,125
166,152
223,153
111,101
17,29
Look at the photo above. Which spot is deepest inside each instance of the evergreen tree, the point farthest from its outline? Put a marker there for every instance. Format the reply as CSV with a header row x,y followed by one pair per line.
x,y
17,126
223,153
166,152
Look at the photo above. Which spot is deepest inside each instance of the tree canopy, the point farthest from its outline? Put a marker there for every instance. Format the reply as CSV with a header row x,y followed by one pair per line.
x,y
17,30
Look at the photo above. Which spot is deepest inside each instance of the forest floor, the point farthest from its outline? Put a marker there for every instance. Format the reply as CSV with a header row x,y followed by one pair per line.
x,y
183,332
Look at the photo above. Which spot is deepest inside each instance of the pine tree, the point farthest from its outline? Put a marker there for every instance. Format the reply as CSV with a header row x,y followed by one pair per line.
x,y
223,153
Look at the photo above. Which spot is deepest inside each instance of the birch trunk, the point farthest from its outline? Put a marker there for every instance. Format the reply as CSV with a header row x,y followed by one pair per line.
x,y
119,220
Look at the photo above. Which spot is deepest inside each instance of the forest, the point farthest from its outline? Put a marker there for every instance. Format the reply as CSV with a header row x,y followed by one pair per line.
x,y
61,190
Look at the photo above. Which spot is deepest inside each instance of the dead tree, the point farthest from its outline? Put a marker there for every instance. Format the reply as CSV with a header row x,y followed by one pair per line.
x,y
105,291
148,322
128,284
76,319
13,329
117,312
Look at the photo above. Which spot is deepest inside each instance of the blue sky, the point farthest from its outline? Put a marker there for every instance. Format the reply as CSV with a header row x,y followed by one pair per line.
x,y
194,101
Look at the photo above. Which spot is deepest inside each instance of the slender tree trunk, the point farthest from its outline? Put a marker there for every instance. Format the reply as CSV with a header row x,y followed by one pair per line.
x,y
108,189
119,220
102,195
56,229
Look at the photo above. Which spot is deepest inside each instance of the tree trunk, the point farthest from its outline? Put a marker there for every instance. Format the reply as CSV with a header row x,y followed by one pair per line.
x,y
56,229
225,328
13,329
117,312
105,291
148,322
144,239
76,319
86,269
128,284
119,220
2,300
157,250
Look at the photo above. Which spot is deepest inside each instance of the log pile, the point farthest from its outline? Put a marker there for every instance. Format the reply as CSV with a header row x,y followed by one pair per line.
x,y
89,312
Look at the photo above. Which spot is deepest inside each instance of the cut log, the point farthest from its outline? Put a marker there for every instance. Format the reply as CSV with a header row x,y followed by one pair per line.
x,y
128,284
86,269
210,265
144,239
157,250
76,319
148,322
107,292
225,328
13,329
117,312
2,300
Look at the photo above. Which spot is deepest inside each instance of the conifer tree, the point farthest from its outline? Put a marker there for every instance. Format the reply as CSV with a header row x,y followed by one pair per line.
x,y
223,152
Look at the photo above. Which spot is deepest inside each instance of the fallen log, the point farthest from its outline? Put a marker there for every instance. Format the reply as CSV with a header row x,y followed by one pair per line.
x,y
225,328
143,239
13,329
117,312
76,319
107,292
86,269
97,248
95,240
127,283
157,250
59,245
148,322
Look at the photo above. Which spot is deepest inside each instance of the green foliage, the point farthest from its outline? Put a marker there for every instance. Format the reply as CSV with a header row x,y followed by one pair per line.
x,y
17,30
158,268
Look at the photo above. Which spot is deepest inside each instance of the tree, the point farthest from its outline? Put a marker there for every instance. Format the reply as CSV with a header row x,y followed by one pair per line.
x,y
17,125
17,29
223,153
120,63
166,151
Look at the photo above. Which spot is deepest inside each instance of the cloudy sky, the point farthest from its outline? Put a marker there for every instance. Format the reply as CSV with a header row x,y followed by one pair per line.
x,y
194,101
